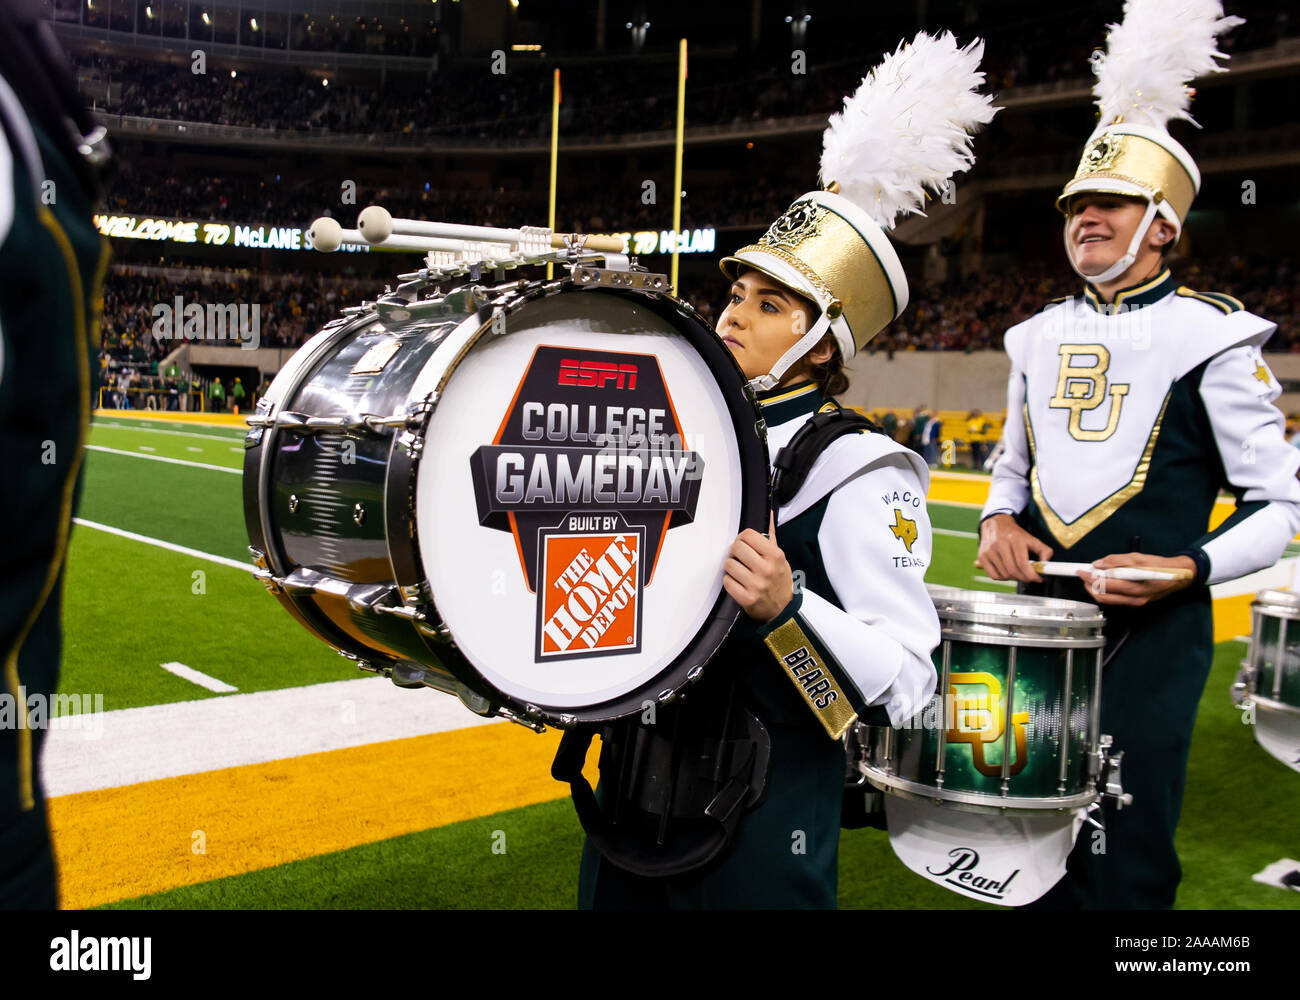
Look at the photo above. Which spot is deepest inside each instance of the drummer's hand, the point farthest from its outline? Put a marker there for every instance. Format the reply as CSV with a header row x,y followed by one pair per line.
x,y
1006,548
757,575
1137,592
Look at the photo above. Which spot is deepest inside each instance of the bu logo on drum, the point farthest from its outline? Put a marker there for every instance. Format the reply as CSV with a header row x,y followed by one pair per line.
x,y
979,718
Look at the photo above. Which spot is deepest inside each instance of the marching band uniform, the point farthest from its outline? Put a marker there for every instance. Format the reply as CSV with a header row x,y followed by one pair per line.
x,y
52,265
856,638
1123,423
864,614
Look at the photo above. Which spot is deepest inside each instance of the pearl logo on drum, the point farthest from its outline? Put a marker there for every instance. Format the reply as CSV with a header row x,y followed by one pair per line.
x,y
961,873
589,470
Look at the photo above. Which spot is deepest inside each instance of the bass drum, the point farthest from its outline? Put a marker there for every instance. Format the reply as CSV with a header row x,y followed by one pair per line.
x,y
522,495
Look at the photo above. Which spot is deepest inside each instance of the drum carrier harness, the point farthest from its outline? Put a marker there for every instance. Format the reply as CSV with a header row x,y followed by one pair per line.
x,y
676,779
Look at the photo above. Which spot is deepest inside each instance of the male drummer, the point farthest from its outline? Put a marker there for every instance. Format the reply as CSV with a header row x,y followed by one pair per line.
x,y
834,603
1128,408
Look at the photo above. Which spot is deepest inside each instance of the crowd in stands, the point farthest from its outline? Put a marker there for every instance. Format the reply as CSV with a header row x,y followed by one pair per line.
x,y
973,314
469,100
964,315
271,198
291,306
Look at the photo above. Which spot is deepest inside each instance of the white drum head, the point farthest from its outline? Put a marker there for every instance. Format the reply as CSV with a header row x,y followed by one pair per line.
x,y
1007,860
571,570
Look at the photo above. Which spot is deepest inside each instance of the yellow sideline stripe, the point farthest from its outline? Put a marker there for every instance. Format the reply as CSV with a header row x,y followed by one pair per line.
x,y
1232,617
215,419
117,843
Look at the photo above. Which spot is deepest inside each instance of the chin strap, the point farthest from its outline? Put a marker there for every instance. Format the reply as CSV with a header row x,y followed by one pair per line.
x,y
801,347
1125,262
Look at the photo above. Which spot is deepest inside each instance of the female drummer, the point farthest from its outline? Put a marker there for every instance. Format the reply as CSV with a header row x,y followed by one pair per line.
x,y
838,625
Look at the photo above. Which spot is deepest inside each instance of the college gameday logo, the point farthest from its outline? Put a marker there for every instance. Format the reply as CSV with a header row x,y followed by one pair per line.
x,y
589,470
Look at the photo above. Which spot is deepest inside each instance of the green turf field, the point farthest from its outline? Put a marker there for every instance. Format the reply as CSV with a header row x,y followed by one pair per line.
x,y
131,606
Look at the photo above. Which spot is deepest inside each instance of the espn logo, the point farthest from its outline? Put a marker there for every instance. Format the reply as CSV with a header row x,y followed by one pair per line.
x,y
596,374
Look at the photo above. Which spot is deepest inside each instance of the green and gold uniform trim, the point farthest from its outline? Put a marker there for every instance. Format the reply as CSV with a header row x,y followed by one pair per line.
x,y
814,672
76,289
781,405
1069,534
1146,293
1226,304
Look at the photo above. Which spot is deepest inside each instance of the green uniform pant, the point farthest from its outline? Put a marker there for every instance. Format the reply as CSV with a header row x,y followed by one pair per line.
x,y
784,856
1150,693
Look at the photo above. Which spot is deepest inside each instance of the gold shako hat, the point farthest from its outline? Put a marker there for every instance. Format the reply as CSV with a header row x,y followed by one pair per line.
x,y
1142,83
829,250
905,130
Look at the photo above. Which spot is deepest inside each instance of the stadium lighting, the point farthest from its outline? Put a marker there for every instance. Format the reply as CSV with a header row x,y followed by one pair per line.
x,y
252,23
206,18
232,74
325,82
514,4
148,12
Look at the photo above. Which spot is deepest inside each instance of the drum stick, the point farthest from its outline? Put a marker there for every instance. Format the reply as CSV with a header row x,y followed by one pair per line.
x,y
377,226
1137,573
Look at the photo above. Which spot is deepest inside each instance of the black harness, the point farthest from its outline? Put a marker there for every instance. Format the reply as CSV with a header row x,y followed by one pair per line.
x,y
673,790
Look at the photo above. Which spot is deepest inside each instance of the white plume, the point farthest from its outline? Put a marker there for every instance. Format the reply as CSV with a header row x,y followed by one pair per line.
x,y
907,127
1161,46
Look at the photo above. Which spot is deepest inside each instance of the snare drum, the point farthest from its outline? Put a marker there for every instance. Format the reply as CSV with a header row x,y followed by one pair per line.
x,y
988,787
1014,723
1269,681
522,495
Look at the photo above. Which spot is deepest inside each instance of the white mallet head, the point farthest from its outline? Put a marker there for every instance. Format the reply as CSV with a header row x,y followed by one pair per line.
x,y
375,224
326,234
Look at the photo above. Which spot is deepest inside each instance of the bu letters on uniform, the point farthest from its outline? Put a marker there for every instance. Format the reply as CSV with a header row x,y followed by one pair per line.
x,y
1082,387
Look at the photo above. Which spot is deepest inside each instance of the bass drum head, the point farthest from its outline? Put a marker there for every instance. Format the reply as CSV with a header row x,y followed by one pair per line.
x,y
582,480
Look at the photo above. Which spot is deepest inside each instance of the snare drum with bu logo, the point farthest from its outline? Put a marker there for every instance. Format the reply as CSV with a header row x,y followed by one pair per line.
x,y
1014,720
987,787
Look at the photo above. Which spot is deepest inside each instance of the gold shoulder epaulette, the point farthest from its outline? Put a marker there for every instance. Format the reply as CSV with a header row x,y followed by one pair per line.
x,y
1224,303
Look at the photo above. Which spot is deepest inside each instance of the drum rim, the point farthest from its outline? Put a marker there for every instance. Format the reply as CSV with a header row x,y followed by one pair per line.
x,y
957,604
745,413
1028,805
1277,599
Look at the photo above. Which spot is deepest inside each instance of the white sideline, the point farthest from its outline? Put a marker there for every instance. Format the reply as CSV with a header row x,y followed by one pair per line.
x,y
198,677
171,546
161,458
189,737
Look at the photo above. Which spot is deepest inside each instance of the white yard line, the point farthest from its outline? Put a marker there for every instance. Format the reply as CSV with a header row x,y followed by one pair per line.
x,y
996,583
954,534
171,546
198,677
161,458
161,430
190,447
130,745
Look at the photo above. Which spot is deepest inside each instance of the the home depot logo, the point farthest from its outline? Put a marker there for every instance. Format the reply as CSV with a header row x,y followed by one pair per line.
x,y
589,601
589,470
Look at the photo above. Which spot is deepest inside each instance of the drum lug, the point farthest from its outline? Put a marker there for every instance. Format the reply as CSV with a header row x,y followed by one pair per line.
x,y
438,633
410,443
259,557
521,720
1242,686
1111,786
